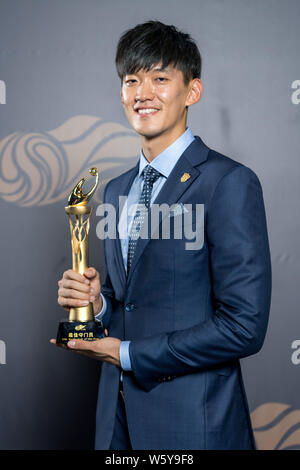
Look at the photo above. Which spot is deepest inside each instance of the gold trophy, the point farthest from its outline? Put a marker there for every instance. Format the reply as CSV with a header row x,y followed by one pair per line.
x,y
81,323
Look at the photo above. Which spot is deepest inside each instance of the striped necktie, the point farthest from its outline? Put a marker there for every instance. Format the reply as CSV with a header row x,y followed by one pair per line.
x,y
150,175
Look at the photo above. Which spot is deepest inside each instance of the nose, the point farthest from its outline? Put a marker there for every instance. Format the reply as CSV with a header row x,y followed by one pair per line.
x,y
144,91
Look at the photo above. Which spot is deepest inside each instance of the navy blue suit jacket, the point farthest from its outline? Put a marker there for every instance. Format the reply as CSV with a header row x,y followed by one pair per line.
x,y
190,314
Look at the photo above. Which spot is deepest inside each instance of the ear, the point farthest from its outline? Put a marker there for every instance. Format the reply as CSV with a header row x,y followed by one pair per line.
x,y
122,98
195,92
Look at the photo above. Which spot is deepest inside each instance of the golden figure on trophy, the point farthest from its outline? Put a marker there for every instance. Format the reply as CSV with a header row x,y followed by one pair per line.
x,y
81,323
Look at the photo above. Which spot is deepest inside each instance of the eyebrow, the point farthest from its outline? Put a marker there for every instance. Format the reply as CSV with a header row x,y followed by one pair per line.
x,y
155,69
161,69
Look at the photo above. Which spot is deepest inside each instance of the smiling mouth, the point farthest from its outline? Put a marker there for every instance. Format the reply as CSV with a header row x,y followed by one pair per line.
x,y
146,111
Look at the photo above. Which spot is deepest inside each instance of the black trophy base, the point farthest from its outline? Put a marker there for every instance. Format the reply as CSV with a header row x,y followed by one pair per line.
x,y
88,331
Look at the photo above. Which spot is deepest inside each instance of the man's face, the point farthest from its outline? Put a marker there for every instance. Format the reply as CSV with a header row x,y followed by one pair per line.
x,y
155,101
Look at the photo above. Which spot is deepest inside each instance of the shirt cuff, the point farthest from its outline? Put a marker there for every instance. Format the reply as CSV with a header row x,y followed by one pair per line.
x,y
124,355
99,315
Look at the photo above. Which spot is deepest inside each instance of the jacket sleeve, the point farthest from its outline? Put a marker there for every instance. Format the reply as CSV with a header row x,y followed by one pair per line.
x,y
236,233
107,292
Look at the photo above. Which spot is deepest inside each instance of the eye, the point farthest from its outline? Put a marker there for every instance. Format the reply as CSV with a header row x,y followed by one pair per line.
x,y
130,81
161,79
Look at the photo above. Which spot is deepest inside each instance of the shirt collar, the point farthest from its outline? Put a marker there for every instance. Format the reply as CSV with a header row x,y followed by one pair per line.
x,y
166,160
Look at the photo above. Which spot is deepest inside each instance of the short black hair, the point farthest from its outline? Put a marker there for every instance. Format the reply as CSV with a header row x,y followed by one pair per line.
x,y
152,43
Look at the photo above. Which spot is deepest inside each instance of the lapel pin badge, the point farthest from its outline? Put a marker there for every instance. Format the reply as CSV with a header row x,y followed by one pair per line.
x,y
185,177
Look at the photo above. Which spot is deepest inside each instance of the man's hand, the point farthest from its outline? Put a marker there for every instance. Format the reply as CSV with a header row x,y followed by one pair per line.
x,y
105,349
76,290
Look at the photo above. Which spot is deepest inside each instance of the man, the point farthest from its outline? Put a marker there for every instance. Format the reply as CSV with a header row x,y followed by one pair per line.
x,y
178,318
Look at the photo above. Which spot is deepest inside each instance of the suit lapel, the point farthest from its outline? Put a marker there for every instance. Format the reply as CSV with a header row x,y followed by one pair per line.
x,y
124,190
174,188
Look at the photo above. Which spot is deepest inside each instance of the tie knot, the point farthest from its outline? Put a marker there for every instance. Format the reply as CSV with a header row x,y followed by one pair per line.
x,y
150,174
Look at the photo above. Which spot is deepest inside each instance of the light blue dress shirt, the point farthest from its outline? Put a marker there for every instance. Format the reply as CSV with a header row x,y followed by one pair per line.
x,y
164,163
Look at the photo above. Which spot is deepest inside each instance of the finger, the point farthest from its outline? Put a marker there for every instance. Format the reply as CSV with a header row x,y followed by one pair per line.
x,y
66,302
74,294
81,345
106,332
70,274
91,273
76,285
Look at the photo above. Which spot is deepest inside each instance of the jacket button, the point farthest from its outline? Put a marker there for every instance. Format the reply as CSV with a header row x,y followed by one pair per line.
x,y
129,307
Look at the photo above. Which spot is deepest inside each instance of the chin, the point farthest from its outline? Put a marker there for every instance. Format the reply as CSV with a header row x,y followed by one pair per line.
x,y
148,133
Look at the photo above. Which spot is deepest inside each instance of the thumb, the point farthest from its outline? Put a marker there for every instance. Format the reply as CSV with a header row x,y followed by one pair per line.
x,y
90,273
80,344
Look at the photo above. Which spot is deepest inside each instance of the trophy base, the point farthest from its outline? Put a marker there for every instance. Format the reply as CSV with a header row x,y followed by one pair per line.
x,y
88,331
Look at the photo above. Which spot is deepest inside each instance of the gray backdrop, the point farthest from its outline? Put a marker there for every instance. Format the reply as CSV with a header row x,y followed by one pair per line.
x,y
60,111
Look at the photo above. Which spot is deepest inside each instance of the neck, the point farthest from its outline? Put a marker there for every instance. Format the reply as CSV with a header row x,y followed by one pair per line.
x,y
153,146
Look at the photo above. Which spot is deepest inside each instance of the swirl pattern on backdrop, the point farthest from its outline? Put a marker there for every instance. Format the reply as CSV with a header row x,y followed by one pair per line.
x,y
40,168
276,426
